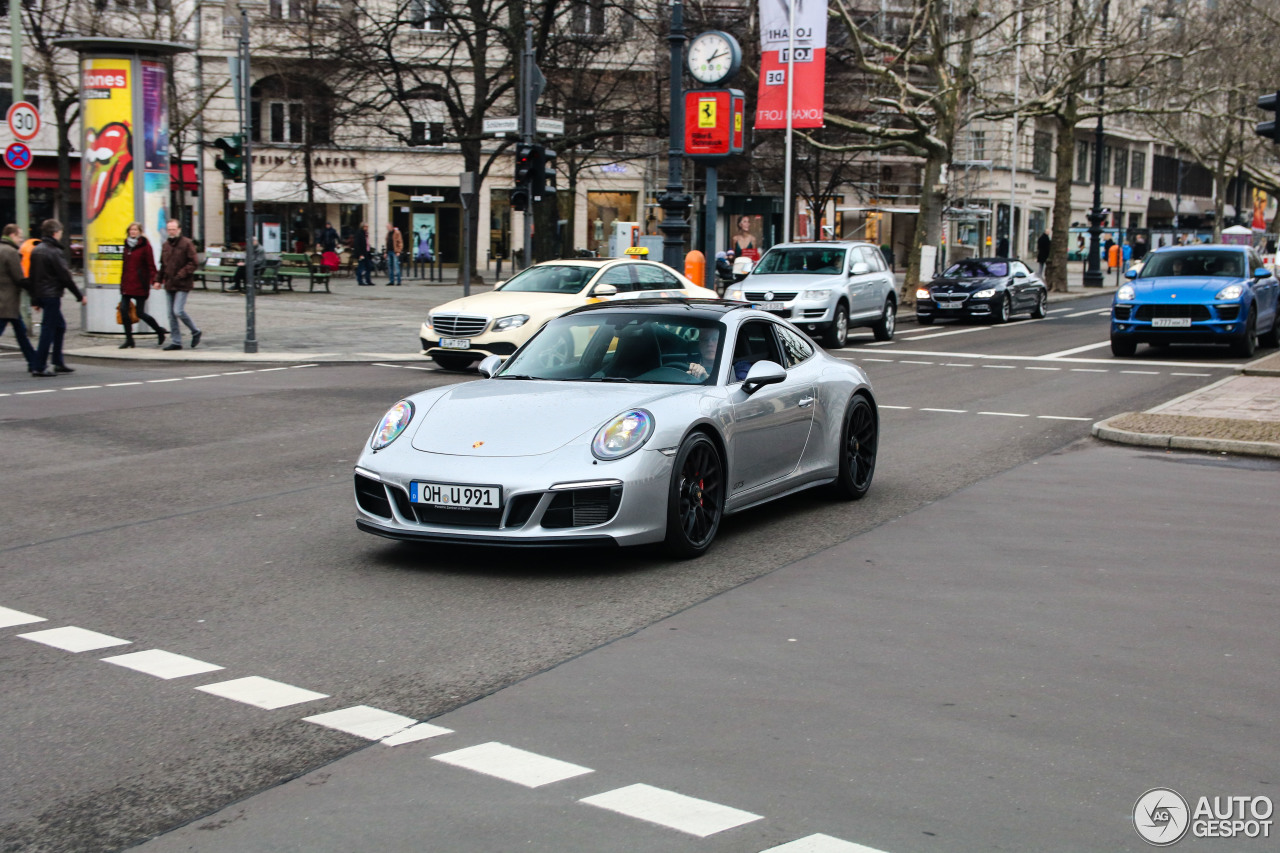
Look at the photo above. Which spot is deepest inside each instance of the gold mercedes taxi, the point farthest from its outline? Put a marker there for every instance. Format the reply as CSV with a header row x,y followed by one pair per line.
x,y
498,321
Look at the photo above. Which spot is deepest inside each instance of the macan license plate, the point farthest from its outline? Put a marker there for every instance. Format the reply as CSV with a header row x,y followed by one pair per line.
x,y
456,495
455,343
773,306
1170,322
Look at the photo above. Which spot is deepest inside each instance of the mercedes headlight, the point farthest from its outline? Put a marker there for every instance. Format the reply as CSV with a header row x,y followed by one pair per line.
x,y
1125,293
623,435
923,293
392,424
985,294
814,294
506,324
1230,293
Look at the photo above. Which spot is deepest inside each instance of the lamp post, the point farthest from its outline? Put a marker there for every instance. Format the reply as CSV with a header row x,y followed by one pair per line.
x,y
1093,273
675,202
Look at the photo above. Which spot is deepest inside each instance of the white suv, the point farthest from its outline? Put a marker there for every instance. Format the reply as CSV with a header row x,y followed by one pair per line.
x,y
825,288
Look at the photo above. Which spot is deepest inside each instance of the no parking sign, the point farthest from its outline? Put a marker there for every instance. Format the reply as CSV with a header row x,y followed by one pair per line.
x,y
17,156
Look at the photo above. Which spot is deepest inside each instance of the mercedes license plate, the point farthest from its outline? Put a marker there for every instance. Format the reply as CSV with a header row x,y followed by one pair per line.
x,y
773,306
456,495
455,343
1171,322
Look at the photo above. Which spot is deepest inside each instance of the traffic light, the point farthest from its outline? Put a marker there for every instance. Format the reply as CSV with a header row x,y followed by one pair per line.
x,y
544,173
1268,129
520,199
524,162
231,163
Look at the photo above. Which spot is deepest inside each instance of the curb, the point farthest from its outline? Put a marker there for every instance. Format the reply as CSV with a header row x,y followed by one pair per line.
x,y
221,357
1104,431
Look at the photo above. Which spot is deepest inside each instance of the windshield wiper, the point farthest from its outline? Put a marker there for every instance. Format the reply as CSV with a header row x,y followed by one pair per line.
x,y
607,379
514,376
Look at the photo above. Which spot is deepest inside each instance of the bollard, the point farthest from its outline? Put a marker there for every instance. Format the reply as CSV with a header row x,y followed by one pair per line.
x,y
695,267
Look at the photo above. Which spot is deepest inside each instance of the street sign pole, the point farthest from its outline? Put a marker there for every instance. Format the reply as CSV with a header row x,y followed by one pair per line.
x,y
21,210
250,289
527,128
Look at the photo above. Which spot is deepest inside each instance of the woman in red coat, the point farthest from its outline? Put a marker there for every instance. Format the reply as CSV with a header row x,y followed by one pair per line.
x,y
136,276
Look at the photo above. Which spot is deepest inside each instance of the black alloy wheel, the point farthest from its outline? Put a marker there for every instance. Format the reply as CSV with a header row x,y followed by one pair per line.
x,y
1002,313
695,501
1247,344
1123,348
883,329
859,441
1272,338
450,361
1041,309
838,332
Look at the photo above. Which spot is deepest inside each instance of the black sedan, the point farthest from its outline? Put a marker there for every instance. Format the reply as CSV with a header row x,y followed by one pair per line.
x,y
989,288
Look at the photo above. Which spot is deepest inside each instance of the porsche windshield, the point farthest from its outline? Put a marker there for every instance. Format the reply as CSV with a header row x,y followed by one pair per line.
x,y
977,269
550,278
595,346
804,260
1225,264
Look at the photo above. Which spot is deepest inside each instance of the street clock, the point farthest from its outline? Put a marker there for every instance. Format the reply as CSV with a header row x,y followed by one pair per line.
x,y
714,57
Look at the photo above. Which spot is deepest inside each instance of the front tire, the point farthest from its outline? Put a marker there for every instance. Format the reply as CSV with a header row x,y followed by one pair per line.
x,y
1002,313
1122,348
449,361
838,333
1041,309
924,320
1247,344
888,321
695,499
859,442
1272,338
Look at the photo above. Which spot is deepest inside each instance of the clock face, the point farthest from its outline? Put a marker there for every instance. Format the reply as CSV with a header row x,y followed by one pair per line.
x,y
713,57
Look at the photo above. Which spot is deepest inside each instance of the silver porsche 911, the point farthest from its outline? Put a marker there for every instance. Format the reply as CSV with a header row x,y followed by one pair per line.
x,y
622,423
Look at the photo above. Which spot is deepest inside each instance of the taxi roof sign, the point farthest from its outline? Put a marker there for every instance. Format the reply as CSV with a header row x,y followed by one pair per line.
x,y
642,251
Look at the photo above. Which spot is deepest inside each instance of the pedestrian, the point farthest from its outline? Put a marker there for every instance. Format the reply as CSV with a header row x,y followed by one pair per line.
x,y
395,248
1044,250
12,283
177,271
1139,247
50,278
1126,253
259,267
137,274
1002,247
329,238
360,252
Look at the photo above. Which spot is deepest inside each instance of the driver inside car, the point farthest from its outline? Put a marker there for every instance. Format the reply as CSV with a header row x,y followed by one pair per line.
x,y
707,341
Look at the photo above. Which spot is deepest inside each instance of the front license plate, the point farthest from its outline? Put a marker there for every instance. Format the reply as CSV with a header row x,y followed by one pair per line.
x,y
456,495
950,306
455,343
1171,322
773,306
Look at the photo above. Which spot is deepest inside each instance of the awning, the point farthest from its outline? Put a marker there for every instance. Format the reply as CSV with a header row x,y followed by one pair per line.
x,y
1187,207
1228,211
185,174
295,192
1160,207
43,174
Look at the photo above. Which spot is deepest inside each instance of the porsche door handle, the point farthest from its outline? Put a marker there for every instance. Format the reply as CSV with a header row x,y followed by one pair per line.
x,y
806,402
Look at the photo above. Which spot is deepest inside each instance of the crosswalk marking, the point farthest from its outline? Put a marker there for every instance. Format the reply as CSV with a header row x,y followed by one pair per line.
x,y
514,765
261,692
162,664
73,639
667,808
363,721
820,843
10,618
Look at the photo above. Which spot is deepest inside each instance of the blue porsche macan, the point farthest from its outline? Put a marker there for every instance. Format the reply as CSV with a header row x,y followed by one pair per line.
x,y
1208,294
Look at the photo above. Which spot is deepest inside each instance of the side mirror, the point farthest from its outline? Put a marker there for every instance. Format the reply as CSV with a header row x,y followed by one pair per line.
x,y
603,290
860,268
763,373
497,285
1019,274
1130,273
1261,272
489,366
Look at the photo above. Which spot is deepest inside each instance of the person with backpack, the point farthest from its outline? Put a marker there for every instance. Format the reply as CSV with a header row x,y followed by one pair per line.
x,y
50,278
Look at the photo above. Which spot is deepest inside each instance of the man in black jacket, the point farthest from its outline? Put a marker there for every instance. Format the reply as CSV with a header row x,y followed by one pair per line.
x,y
1044,249
12,283
362,251
49,279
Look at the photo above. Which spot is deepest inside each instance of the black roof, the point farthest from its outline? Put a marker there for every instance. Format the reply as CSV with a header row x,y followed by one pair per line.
x,y
707,308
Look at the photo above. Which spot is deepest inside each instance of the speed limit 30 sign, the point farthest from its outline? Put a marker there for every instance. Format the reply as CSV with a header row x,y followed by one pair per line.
x,y
24,120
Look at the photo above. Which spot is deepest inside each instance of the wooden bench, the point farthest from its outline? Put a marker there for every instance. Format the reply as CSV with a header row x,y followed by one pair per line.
x,y
302,266
221,265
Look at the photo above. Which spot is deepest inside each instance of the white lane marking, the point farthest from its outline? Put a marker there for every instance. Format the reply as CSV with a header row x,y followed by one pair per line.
x,y
917,362
883,406
1092,311
820,843
1088,370
297,366
4,395
667,808
363,721
1029,367
121,384
79,387
261,692
205,376
1001,366
72,639
944,334
885,360
950,411
1075,350
172,379
162,664
270,369
1058,311
1061,418
1005,414
238,372
514,765
421,731
1143,372
1190,374
10,618
41,391
956,364
403,366
1231,366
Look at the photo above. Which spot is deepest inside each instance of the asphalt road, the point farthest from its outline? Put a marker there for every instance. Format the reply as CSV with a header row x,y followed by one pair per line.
x,y
207,513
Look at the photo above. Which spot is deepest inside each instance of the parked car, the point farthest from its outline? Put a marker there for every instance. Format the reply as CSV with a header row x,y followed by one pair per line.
x,y
622,423
497,322
982,288
825,288
1214,294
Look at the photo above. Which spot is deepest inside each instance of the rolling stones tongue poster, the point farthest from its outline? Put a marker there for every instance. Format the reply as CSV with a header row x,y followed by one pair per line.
x,y
108,166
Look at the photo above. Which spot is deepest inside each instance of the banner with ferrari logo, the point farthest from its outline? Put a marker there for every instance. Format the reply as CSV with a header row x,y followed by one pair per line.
x,y
810,63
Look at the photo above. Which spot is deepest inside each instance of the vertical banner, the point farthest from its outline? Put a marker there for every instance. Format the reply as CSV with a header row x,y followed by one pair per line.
x,y
155,153
810,63
107,167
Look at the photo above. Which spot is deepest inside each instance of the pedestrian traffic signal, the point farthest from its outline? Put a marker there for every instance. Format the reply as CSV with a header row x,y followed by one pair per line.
x,y
1268,129
520,199
544,173
231,163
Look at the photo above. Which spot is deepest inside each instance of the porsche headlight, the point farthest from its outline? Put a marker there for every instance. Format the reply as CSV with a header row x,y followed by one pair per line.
x,y
1125,293
392,424
923,293
623,435
985,294
1230,293
734,294
506,324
